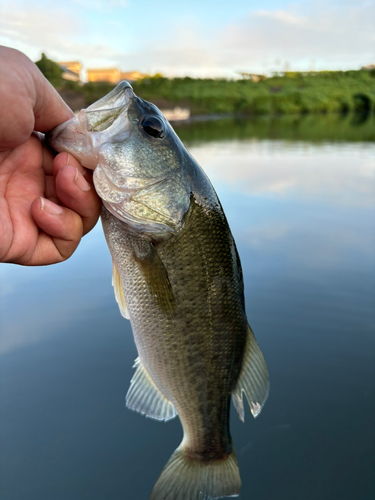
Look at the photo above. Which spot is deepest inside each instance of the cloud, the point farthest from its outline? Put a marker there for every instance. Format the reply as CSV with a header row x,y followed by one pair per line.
x,y
53,31
338,37
180,51
36,25
335,37
282,16
313,33
101,5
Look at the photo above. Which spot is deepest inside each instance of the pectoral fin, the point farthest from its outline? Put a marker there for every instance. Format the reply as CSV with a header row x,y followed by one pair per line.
x,y
119,292
253,380
145,397
157,280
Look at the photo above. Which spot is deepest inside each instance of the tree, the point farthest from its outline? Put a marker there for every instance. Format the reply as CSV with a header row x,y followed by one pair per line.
x,y
51,70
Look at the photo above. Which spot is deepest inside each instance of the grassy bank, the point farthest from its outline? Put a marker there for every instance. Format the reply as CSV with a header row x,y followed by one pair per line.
x,y
323,92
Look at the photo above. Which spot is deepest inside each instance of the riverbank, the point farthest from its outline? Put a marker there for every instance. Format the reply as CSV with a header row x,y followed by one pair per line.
x,y
292,93
321,92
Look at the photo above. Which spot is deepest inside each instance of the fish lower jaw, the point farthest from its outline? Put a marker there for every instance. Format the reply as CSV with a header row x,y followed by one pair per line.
x,y
69,137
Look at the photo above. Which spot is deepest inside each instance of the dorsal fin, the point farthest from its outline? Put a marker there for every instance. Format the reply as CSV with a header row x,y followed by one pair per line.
x,y
119,292
145,397
253,380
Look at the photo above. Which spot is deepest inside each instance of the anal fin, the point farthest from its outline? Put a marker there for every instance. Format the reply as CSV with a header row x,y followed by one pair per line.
x,y
253,380
143,396
119,292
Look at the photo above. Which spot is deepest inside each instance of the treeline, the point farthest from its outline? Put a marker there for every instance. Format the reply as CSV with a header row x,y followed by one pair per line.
x,y
86,94
292,93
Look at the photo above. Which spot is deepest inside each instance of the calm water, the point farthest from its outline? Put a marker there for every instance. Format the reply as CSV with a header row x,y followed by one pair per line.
x,y
302,214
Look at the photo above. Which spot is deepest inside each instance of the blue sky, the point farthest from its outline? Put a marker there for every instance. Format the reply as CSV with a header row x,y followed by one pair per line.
x,y
198,38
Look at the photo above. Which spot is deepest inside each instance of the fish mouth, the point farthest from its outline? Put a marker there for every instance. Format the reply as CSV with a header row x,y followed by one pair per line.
x,y
117,97
106,119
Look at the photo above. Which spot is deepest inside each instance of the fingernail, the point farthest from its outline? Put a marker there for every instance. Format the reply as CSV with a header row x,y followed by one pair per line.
x,y
50,207
68,163
81,181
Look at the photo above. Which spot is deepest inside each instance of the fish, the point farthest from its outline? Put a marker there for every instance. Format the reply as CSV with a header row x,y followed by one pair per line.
x,y
177,277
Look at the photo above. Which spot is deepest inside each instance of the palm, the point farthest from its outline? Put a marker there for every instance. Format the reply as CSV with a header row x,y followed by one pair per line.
x,y
22,180
30,235
32,231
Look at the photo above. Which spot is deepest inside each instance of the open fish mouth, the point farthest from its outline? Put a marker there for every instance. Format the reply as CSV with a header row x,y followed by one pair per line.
x,y
106,119
102,114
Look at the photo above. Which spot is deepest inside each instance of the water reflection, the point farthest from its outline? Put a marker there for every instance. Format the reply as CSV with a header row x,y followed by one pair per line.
x,y
327,173
310,203
302,214
311,128
38,302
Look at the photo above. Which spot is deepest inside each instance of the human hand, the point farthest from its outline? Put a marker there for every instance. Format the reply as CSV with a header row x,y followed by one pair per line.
x,y
46,204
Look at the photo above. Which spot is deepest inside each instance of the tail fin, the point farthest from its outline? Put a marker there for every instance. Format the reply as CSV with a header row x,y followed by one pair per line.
x,y
186,479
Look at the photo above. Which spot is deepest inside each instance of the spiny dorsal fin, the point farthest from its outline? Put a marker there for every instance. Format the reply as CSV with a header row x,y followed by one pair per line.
x,y
253,380
145,397
119,292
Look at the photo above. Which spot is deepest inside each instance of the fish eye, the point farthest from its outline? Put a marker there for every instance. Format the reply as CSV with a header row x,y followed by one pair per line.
x,y
153,126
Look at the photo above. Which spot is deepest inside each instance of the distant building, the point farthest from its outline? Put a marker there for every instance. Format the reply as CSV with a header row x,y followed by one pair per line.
x,y
368,67
112,75
132,76
252,76
71,70
176,114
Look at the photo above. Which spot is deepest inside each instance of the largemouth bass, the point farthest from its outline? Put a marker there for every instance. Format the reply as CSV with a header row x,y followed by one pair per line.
x,y
177,277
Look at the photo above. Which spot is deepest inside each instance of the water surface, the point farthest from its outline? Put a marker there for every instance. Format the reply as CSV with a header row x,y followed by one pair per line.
x,y
302,214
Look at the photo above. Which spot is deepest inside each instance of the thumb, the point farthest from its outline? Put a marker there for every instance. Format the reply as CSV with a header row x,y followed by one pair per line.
x,y
28,101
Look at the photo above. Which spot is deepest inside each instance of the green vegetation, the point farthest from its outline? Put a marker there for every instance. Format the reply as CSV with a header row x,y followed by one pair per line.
x,y
50,70
90,92
289,94
93,91
322,92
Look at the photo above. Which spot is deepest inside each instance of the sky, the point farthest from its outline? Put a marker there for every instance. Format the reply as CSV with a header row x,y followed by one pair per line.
x,y
201,38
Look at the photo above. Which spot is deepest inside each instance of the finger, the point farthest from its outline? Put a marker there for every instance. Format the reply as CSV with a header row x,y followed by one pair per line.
x,y
17,117
50,189
63,159
62,231
29,102
47,160
76,193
